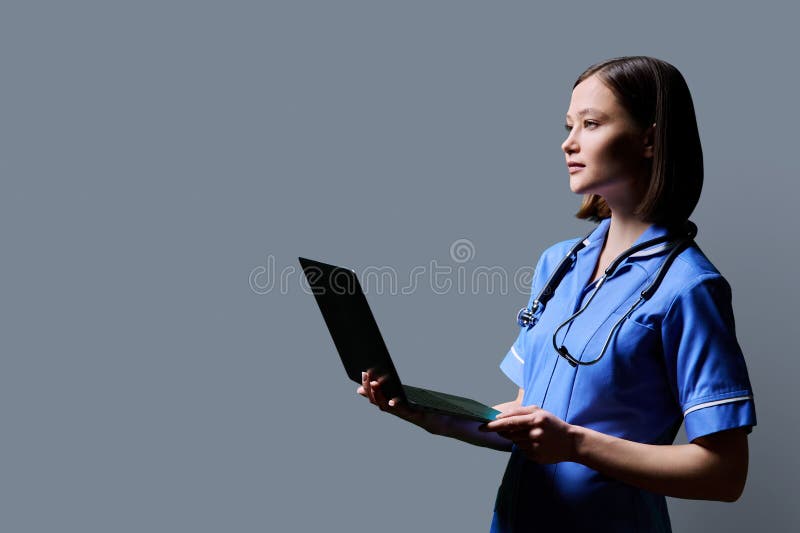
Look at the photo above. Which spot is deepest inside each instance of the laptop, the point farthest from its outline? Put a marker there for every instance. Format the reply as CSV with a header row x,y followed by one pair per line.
x,y
360,344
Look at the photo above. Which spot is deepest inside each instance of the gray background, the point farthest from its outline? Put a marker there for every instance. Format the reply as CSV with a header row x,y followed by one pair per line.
x,y
155,154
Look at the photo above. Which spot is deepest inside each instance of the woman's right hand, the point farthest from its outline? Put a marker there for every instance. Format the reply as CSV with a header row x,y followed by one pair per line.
x,y
435,423
371,389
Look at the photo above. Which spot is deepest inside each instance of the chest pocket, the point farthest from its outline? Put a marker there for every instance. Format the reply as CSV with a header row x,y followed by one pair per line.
x,y
631,338
630,343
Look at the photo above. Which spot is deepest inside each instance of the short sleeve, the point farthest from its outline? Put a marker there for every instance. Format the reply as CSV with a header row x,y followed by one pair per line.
x,y
704,361
513,363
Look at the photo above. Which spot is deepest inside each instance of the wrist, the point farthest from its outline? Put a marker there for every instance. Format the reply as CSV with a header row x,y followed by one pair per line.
x,y
418,418
435,425
577,439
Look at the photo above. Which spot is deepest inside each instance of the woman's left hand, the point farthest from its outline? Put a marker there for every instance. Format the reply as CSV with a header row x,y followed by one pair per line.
x,y
540,435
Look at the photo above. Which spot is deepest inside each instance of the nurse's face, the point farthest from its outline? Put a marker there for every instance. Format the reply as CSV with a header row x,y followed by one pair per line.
x,y
607,152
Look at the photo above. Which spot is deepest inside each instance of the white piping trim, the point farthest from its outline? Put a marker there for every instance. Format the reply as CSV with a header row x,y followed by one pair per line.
x,y
654,249
717,402
520,359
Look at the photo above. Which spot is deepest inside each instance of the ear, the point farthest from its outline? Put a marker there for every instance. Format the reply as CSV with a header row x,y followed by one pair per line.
x,y
649,141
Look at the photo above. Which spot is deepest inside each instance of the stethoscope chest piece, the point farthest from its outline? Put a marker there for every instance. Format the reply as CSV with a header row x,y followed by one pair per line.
x,y
526,318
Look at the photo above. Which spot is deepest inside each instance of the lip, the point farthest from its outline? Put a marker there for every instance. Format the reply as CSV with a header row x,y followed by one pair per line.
x,y
574,167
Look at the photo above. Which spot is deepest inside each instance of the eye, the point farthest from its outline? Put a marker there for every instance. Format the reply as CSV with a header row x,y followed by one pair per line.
x,y
567,127
590,123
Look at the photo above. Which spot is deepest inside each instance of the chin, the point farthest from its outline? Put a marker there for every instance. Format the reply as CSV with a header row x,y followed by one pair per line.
x,y
579,188
588,186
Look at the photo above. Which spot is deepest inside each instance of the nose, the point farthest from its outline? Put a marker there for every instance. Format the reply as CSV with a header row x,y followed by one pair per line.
x,y
570,144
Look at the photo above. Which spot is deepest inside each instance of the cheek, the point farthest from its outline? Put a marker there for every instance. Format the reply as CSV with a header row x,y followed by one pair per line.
x,y
617,156
621,153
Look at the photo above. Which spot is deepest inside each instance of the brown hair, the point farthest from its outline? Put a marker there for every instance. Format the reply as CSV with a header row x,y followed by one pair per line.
x,y
654,92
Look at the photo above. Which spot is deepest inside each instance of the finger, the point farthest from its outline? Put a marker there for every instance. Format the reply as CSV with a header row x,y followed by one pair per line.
x,y
380,380
523,444
377,393
517,433
518,438
398,407
506,423
360,390
494,425
533,452
409,414
398,403
517,411
365,382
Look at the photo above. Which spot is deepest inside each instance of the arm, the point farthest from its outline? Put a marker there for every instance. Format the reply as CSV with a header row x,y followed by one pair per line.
x,y
713,467
467,430
439,424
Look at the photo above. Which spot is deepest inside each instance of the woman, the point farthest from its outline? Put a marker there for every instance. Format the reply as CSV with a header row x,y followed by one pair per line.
x,y
602,396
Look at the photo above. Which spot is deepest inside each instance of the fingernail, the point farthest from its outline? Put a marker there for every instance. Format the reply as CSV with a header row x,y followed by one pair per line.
x,y
391,403
374,383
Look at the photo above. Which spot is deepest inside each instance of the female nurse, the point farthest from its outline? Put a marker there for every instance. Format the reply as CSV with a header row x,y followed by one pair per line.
x,y
602,396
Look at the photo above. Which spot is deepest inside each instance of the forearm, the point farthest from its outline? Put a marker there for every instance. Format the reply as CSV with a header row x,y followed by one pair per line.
x,y
456,428
682,471
439,424
467,431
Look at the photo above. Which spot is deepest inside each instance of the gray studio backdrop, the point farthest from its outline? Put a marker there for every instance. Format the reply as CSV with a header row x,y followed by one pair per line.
x,y
164,163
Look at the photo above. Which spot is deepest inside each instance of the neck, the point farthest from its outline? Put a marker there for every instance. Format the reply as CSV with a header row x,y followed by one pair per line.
x,y
624,230
625,225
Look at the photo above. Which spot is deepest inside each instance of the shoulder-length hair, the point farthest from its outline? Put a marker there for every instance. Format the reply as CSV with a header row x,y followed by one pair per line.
x,y
654,92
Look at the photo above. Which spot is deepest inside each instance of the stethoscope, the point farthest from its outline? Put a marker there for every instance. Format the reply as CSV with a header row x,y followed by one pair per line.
x,y
529,316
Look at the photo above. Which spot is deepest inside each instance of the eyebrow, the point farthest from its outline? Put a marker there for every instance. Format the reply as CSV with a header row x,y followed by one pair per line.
x,y
591,110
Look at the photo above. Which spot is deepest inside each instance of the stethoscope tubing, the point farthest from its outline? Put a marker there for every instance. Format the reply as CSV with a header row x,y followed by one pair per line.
x,y
527,315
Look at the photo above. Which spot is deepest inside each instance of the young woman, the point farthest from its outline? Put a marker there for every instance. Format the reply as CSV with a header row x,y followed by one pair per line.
x,y
632,337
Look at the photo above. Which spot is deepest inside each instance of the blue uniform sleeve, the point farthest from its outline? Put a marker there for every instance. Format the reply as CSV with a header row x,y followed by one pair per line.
x,y
513,363
704,361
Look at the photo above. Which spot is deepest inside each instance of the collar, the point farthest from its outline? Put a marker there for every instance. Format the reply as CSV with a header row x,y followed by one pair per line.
x,y
598,237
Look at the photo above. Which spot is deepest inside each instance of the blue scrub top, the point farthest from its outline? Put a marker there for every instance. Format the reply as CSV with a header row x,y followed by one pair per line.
x,y
675,359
